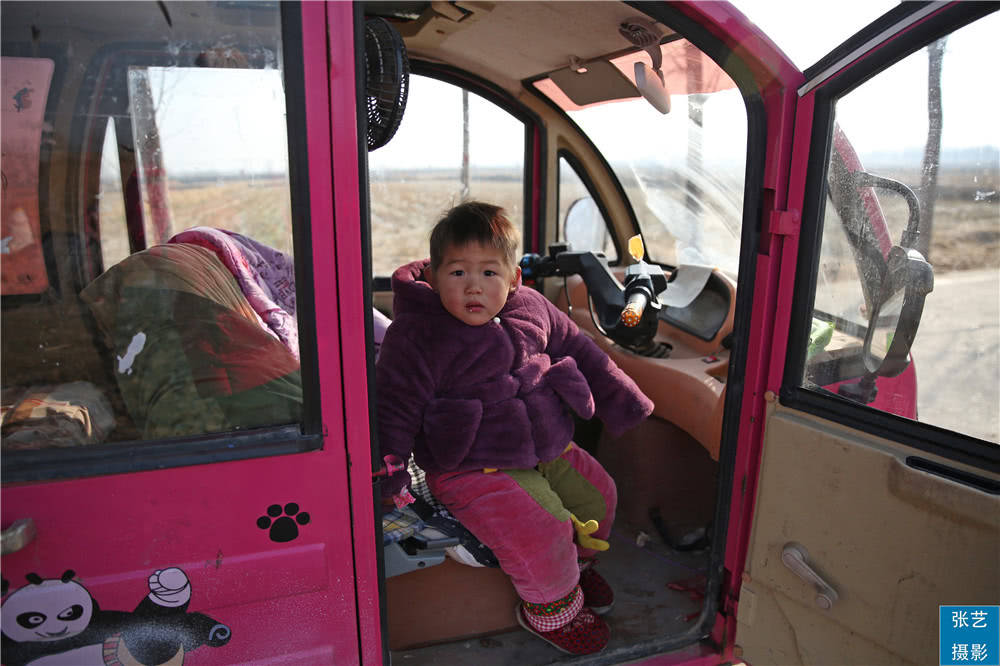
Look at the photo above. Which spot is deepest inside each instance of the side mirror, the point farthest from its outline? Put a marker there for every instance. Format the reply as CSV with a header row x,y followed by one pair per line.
x,y
896,315
894,321
584,228
897,303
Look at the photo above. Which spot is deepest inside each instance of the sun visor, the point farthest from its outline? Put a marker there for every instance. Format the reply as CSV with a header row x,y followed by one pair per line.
x,y
596,81
686,70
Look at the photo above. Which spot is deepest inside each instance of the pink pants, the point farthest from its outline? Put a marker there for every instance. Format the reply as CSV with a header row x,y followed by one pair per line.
x,y
523,516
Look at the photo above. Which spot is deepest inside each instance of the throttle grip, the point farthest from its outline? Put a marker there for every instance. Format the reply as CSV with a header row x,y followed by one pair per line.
x,y
632,312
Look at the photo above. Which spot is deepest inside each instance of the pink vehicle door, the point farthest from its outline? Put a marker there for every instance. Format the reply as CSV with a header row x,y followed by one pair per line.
x,y
175,421
875,536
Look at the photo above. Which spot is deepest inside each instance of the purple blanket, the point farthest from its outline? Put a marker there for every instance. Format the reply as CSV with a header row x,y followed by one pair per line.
x,y
265,276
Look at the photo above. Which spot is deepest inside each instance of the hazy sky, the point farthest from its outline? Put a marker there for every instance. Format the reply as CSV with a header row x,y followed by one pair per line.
x,y
806,30
238,123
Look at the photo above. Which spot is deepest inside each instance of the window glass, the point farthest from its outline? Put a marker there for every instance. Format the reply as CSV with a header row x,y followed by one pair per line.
x,y
451,146
591,231
237,154
111,202
782,21
915,149
158,120
683,171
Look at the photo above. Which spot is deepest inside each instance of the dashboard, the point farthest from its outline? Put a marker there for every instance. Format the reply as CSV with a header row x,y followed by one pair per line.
x,y
687,385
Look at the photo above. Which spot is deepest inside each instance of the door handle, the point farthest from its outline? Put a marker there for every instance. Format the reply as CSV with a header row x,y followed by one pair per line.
x,y
17,536
796,557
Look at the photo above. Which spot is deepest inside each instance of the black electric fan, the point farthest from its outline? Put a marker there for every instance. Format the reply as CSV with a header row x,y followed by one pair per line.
x,y
387,80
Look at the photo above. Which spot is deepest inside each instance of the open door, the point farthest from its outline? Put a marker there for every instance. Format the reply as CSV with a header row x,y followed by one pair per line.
x,y
877,503
177,429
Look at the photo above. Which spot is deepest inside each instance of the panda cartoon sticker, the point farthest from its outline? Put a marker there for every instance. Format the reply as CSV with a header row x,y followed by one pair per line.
x,y
57,622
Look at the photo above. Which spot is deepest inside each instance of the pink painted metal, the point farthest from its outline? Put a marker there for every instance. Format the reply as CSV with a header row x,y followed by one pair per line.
x,y
777,79
289,601
333,149
350,290
536,192
872,208
896,395
202,520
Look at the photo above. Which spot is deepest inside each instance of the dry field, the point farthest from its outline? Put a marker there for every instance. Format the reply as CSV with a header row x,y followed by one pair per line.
x,y
403,213
966,222
258,209
965,251
966,233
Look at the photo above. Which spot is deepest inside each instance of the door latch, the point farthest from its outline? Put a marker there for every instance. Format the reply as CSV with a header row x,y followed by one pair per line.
x,y
796,557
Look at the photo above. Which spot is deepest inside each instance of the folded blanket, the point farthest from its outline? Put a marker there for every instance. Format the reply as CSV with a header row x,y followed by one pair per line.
x,y
72,414
399,524
191,356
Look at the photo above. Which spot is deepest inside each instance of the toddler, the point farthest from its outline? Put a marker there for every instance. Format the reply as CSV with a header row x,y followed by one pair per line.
x,y
479,378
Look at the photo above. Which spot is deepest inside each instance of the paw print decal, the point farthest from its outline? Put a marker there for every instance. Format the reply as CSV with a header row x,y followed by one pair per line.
x,y
283,523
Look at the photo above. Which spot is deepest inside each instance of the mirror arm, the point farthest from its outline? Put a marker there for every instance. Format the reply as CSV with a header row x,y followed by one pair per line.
x,y
912,232
864,391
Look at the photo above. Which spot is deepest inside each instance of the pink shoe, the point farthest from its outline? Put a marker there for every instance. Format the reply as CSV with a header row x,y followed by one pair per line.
x,y
597,594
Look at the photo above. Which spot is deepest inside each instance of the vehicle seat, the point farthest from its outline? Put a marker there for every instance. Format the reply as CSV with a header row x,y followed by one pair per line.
x,y
459,596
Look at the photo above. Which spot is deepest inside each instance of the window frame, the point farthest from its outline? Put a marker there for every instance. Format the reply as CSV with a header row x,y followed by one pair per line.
x,y
924,437
142,455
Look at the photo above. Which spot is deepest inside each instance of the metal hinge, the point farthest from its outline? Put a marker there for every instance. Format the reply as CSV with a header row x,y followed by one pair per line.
x,y
785,222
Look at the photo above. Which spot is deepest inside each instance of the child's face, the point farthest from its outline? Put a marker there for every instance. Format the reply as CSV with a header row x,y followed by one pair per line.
x,y
474,282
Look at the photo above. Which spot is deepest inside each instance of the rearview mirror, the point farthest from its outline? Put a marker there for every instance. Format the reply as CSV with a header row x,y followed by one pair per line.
x,y
649,81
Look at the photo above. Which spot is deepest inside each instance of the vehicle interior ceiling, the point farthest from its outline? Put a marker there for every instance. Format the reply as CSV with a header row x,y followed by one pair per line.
x,y
666,469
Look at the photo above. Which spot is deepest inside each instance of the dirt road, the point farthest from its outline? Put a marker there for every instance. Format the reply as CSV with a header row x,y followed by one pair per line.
x,y
957,354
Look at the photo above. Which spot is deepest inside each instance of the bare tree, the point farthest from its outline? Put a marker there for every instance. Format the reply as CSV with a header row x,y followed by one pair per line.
x,y
150,152
465,144
932,150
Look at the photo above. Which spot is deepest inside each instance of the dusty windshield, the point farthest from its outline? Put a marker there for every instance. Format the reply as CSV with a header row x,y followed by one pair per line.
x,y
683,170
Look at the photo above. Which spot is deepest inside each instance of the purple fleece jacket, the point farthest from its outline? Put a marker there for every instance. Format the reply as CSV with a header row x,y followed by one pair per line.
x,y
499,395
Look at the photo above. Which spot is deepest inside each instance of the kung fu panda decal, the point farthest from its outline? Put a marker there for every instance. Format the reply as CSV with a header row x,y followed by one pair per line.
x,y
57,621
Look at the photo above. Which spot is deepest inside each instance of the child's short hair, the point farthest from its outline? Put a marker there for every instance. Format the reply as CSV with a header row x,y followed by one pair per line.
x,y
475,221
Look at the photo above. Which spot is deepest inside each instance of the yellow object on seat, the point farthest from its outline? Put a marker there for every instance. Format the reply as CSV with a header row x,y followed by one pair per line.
x,y
583,532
